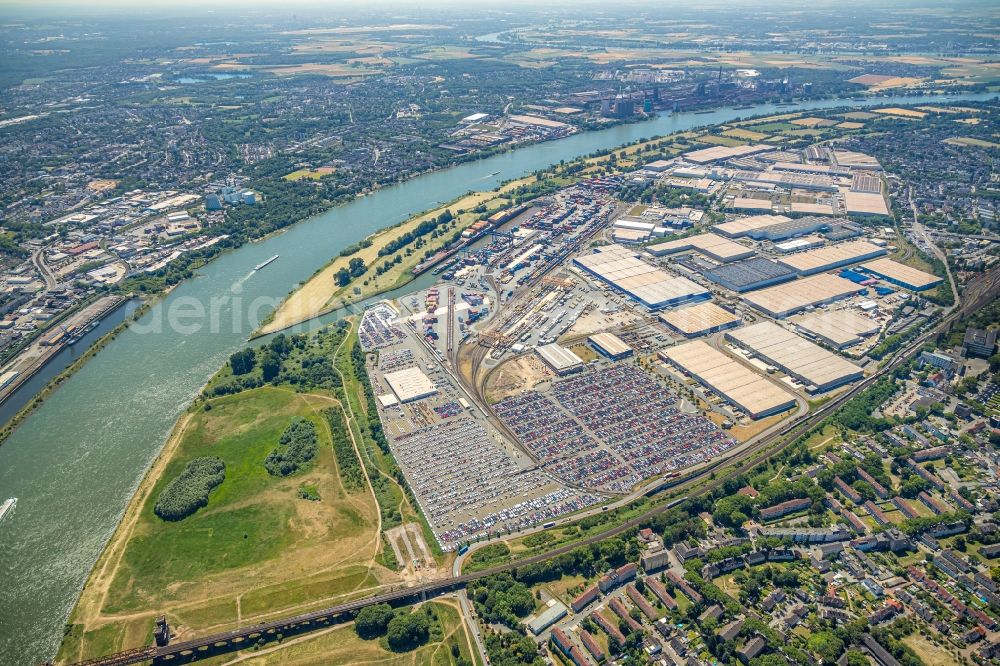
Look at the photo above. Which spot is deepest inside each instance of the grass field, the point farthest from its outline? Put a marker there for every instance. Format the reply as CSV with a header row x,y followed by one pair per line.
x,y
772,127
257,549
828,435
930,654
310,174
342,646
719,140
906,253
970,141
738,133
902,113
446,53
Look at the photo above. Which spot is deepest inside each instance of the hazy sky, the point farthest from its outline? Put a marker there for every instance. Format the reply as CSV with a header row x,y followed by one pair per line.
x,y
142,5
64,8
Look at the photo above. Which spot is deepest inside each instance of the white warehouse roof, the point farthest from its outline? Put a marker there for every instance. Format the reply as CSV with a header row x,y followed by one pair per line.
x,y
559,358
729,378
410,384
806,361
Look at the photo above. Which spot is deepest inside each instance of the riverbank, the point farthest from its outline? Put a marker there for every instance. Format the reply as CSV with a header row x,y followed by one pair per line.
x,y
76,462
65,332
95,590
39,398
322,293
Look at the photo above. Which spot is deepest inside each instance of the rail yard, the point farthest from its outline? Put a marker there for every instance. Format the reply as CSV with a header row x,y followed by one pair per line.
x,y
978,294
492,378
584,354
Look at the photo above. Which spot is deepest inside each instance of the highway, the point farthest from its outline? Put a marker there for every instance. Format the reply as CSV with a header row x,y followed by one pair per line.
x,y
977,293
38,260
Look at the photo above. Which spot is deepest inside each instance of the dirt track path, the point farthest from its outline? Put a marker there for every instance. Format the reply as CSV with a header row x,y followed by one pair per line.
x,y
89,609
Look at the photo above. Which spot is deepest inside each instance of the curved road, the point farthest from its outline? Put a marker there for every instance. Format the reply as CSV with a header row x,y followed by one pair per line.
x,y
38,260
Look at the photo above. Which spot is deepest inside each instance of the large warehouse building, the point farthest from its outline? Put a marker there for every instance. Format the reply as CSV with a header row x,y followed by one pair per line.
x,y
750,274
787,299
838,328
730,379
770,227
711,245
901,274
610,345
699,319
410,384
865,203
718,153
651,286
816,368
831,256
561,360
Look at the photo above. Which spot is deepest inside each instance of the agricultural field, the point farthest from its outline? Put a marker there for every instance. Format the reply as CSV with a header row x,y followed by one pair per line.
x,y
337,71
445,53
719,140
748,135
970,141
902,113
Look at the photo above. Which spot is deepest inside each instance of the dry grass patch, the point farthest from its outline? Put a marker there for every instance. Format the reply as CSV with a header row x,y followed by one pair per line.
x,y
902,113
516,376
749,135
311,174
930,654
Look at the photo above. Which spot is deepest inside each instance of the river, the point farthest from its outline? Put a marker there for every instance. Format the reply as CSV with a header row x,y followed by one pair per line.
x,y
75,463
62,360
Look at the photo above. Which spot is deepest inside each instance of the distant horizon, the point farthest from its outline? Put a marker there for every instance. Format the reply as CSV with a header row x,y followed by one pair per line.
x,y
174,6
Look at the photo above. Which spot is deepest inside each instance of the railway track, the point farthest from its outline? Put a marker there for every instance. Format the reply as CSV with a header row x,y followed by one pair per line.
x,y
977,294
450,334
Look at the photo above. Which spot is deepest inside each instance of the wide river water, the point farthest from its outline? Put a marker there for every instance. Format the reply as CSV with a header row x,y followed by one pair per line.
x,y
75,463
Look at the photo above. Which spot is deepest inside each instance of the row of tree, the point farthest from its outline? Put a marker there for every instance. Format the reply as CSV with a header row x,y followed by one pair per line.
x,y
348,465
